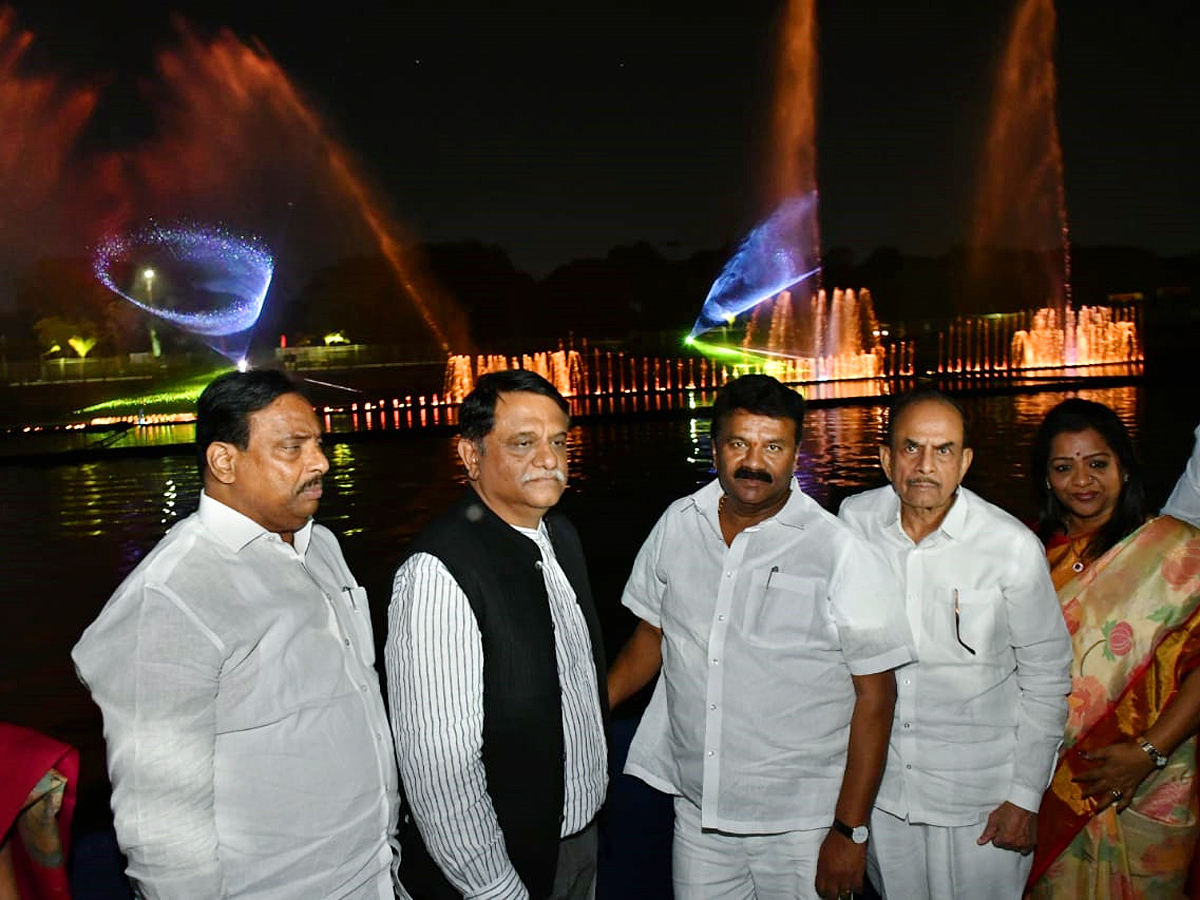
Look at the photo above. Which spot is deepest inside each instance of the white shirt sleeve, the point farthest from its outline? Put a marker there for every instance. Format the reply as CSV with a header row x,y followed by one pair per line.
x,y
434,659
156,684
643,594
1184,502
1043,651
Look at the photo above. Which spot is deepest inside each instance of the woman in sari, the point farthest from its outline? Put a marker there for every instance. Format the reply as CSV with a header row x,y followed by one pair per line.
x,y
1120,816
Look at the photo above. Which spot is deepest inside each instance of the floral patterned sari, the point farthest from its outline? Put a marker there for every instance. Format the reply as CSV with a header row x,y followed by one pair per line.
x,y
1134,617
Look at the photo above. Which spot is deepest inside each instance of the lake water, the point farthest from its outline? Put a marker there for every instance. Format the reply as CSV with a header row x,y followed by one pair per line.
x,y
71,532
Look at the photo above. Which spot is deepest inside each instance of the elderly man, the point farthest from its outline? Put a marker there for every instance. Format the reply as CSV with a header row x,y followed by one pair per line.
x,y
776,630
979,718
495,662
247,741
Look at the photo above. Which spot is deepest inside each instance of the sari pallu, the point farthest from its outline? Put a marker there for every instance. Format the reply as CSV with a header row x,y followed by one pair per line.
x,y
1134,618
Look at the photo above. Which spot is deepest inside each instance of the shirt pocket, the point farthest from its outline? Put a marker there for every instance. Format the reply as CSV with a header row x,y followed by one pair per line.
x,y
978,623
782,610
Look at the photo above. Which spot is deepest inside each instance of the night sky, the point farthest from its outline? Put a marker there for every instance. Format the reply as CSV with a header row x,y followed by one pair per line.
x,y
558,130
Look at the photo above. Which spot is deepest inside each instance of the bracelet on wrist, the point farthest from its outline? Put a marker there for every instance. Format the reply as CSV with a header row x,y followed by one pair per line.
x,y
1158,757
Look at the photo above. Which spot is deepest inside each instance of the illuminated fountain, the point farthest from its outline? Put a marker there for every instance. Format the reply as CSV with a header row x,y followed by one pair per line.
x,y
769,286
232,140
1022,203
41,118
210,283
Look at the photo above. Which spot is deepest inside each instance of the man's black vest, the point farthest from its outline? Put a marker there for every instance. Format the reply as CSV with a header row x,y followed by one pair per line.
x,y
499,569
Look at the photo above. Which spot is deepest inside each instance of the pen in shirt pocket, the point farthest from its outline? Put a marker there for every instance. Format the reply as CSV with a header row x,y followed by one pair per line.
x,y
770,574
349,592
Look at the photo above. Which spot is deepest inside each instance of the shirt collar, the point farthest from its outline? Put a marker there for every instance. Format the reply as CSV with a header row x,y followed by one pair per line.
x,y
952,525
236,531
707,502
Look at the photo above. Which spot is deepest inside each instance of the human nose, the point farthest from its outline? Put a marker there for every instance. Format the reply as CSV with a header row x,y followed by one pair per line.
x,y
546,457
925,459
318,461
1080,475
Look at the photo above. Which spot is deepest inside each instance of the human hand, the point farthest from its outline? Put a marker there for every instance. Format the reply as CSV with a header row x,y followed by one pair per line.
x,y
1116,772
840,866
1010,827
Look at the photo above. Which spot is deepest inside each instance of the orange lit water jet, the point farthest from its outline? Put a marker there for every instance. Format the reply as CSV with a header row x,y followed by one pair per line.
x,y
234,117
1021,201
40,120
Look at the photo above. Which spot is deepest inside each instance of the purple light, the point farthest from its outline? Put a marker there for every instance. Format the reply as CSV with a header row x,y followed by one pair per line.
x,y
777,254
203,280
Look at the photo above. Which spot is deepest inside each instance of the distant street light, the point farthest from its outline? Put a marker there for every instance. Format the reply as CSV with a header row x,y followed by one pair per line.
x,y
155,346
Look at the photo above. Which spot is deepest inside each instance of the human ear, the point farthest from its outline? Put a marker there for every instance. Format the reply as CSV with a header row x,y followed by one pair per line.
x,y
968,456
468,452
885,460
222,458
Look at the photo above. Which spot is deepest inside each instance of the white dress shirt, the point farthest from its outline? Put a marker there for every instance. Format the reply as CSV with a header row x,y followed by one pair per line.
x,y
750,718
434,659
1184,502
971,731
248,746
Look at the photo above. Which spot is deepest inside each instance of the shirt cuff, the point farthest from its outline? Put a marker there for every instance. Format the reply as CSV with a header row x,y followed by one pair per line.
x,y
881,662
507,887
1025,798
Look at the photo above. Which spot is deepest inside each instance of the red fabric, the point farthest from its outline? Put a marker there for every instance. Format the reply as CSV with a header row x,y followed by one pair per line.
x,y
25,756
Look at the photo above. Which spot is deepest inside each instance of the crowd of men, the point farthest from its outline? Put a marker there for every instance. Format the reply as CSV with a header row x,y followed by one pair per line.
x,y
882,691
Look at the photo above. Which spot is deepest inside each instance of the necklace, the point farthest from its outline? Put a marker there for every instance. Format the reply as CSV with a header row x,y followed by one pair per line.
x,y
1078,545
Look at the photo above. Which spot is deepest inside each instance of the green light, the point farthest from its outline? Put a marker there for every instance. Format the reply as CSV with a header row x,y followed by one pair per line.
x,y
180,395
689,340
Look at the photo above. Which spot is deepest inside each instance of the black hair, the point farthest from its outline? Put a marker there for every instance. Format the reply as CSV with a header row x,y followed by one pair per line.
x,y
224,408
761,395
924,394
477,415
1070,417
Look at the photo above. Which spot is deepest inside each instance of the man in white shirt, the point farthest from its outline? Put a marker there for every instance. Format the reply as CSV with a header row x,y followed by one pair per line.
x,y
776,630
248,745
495,662
980,717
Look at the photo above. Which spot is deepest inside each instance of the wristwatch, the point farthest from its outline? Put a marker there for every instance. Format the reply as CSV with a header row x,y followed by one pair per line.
x,y
1160,759
859,833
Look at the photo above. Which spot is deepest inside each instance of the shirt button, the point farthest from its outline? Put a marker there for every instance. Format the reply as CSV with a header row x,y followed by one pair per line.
x,y
906,681
712,753
728,574
720,618
347,642
712,706
908,767
906,724
363,688
716,661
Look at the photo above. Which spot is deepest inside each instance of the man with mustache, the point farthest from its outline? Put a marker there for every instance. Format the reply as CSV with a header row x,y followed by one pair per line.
x,y
979,718
495,663
776,630
248,744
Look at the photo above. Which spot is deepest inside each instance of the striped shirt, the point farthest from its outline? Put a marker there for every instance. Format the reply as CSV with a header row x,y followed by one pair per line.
x,y
434,659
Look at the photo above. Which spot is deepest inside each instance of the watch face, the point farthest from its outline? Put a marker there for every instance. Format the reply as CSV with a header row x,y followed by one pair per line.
x,y
860,834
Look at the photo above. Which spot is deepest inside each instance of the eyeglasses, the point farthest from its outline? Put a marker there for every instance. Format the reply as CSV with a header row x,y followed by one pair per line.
x,y
958,624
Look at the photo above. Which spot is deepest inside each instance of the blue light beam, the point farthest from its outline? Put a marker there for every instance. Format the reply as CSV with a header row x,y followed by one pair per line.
x,y
206,281
776,255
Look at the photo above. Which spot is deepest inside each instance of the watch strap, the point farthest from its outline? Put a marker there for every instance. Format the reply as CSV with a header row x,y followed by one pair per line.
x,y
859,834
1160,758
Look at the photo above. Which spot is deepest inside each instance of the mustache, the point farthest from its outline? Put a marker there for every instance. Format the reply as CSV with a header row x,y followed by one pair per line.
x,y
311,483
754,474
923,481
557,474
